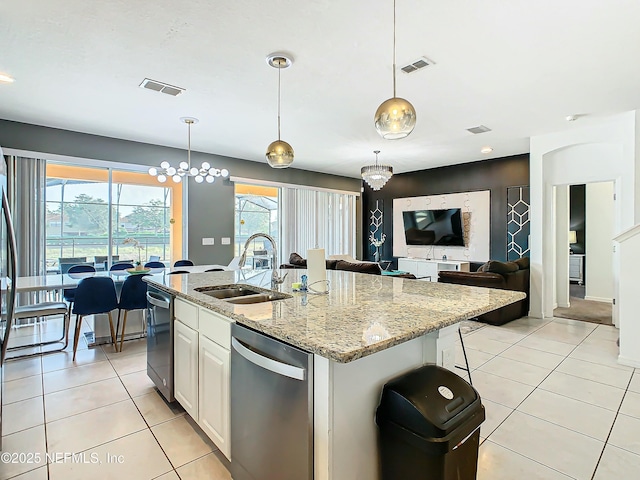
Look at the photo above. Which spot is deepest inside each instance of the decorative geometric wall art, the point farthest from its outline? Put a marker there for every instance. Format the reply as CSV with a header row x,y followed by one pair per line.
x,y
375,224
518,225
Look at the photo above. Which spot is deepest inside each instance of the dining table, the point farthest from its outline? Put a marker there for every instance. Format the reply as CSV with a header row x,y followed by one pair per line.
x,y
53,284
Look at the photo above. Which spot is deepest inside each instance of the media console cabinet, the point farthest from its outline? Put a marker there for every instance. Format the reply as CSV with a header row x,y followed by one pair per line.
x,y
428,269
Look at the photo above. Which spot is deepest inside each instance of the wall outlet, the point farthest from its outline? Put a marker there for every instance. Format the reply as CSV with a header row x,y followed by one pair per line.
x,y
226,241
208,241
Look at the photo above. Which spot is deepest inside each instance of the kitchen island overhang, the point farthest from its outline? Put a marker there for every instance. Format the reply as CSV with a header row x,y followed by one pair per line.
x,y
366,331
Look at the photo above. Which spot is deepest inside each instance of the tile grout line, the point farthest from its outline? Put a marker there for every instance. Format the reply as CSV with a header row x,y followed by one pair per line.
x,y
145,420
606,442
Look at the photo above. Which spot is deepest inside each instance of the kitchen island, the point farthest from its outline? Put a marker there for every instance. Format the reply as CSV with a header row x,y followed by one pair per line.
x,y
367,330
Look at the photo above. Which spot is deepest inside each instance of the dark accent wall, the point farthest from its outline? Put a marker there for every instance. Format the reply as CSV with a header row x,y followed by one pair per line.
x,y
210,207
495,175
577,216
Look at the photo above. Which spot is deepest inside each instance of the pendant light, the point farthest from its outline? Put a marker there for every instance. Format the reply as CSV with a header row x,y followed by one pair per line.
x,y
376,175
279,153
395,117
204,173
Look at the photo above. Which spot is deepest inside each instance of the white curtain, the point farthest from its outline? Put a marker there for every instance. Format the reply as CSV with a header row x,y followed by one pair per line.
x,y
27,177
311,218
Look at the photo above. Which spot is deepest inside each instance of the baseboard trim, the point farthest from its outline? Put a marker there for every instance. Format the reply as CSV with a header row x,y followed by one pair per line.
x,y
629,362
599,299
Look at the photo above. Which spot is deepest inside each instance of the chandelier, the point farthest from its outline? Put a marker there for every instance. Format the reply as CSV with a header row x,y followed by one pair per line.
x,y
395,117
202,174
376,175
279,153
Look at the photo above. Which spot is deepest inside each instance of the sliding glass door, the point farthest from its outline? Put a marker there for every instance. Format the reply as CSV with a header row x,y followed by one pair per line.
x,y
91,212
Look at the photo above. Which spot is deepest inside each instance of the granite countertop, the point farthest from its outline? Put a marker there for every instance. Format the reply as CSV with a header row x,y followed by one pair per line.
x,y
361,315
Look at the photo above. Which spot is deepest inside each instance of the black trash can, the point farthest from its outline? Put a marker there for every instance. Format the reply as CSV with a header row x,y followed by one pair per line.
x,y
429,421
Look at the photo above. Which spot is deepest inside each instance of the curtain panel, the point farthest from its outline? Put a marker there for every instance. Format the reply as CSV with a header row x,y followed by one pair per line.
x,y
26,179
310,219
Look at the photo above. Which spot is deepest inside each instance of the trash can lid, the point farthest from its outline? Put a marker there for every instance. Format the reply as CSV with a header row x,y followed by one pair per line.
x,y
430,401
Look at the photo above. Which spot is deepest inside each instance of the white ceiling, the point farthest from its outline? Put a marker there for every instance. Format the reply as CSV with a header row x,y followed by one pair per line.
x,y
516,66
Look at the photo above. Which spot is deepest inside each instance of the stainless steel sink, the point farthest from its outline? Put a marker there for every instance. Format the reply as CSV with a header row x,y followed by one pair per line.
x,y
241,294
258,298
225,292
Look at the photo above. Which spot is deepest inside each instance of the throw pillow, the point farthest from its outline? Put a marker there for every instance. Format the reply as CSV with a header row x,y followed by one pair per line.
x,y
523,263
295,259
494,266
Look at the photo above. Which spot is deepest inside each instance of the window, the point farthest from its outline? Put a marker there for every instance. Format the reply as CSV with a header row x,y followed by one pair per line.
x,y
298,218
91,211
256,211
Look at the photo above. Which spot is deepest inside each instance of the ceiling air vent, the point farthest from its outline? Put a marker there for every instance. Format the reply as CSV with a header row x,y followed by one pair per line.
x,y
161,87
417,65
478,129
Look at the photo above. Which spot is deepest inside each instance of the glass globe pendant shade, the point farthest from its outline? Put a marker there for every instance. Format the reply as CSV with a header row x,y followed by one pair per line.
x,y
279,154
153,171
395,118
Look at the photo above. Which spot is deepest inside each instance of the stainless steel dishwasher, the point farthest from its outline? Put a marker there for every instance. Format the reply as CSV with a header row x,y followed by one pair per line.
x,y
160,341
271,408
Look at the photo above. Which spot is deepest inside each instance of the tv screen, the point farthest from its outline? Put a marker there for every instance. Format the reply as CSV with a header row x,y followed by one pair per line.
x,y
434,227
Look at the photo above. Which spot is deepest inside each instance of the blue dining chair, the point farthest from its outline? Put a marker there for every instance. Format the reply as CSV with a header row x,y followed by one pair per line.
x,y
120,266
132,297
154,265
94,295
183,263
68,294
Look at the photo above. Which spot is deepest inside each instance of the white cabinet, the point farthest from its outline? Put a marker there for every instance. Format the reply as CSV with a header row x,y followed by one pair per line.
x,y
202,366
185,367
214,415
428,269
576,268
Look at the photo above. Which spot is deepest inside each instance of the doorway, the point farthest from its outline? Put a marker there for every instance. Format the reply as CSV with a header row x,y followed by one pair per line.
x,y
585,291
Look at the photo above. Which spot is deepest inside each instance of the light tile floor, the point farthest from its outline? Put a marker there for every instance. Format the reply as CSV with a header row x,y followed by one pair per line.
x,y
106,411
558,404
558,407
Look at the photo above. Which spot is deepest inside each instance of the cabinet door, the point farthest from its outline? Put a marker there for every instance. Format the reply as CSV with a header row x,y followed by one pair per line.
x,y
214,393
428,270
406,265
185,367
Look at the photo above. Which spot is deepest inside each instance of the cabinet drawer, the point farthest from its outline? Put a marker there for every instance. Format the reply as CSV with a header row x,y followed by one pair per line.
x,y
186,312
215,327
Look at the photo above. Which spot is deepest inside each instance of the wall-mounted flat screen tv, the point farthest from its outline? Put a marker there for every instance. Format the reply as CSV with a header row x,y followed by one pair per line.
x,y
434,227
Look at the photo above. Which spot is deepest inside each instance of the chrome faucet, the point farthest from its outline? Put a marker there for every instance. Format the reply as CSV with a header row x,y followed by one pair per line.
x,y
275,278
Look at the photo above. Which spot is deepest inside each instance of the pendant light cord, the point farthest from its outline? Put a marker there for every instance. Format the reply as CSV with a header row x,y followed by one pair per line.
x,y
394,48
189,145
279,68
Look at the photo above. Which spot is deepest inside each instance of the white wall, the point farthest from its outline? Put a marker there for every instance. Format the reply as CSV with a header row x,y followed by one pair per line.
x,y
599,149
599,234
562,246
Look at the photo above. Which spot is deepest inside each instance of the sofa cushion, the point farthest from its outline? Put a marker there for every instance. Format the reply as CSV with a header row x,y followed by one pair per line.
x,y
295,259
494,266
523,263
360,267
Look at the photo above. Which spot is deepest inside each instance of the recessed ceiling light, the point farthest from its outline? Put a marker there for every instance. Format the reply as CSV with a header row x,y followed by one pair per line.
x,y
4,78
486,150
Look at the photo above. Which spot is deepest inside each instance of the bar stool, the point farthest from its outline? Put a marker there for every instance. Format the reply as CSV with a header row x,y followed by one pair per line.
x,y
466,361
94,295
